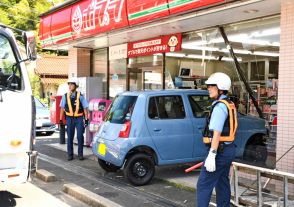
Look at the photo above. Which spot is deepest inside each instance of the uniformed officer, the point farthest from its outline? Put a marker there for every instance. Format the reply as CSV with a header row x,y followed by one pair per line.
x,y
219,135
75,107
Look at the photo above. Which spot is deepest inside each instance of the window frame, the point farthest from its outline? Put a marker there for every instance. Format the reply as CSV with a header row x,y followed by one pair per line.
x,y
157,107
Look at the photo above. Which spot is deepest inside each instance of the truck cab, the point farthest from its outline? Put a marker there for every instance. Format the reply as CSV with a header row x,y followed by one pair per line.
x,y
17,109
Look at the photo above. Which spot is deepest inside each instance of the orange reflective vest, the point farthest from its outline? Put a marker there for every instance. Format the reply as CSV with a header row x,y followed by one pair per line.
x,y
75,111
230,126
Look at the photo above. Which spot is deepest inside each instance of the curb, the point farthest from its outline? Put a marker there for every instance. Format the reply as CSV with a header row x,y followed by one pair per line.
x,y
87,196
45,175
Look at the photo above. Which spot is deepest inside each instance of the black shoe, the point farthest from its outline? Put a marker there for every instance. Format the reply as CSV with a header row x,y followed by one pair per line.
x,y
70,158
81,158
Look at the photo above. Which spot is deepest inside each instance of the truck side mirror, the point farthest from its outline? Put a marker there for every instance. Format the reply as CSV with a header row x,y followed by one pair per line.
x,y
30,44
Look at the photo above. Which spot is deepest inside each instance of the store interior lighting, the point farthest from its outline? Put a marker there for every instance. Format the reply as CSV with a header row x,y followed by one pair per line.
x,y
245,38
211,57
257,38
238,51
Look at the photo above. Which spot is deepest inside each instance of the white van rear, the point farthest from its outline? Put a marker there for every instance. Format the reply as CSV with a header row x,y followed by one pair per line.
x,y
17,111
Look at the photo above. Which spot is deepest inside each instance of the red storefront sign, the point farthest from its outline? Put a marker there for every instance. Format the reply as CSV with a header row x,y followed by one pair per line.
x,y
163,44
88,18
176,6
92,17
142,10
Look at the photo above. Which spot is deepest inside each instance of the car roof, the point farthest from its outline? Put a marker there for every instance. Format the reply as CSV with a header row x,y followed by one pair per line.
x,y
165,92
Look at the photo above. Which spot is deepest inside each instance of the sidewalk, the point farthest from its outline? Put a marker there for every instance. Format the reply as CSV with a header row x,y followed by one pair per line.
x,y
26,195
176,176
172,174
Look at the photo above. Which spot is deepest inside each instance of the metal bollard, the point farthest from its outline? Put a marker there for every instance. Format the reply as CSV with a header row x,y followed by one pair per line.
x,y
62,134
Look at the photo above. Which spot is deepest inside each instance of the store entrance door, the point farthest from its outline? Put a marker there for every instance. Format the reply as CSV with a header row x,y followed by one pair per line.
x,y
152,78
134,79
145,78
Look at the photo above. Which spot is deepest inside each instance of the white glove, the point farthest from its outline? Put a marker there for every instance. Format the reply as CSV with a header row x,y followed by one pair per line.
x,y
210,161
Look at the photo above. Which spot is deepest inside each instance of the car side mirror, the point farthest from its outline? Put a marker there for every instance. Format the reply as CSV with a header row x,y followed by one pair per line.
x,y
30,44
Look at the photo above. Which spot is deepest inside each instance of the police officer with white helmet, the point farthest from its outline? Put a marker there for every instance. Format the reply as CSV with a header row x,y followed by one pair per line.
x,y
219,135
75,107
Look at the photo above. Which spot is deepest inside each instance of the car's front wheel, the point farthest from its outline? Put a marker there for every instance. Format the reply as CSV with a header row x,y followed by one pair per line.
x,y
256,153
108,167
139,169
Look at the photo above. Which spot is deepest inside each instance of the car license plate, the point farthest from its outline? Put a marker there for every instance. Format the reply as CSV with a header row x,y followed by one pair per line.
x,y
102,149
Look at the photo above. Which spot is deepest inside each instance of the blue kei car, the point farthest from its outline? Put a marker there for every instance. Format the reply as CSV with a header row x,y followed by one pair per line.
x,y
147,128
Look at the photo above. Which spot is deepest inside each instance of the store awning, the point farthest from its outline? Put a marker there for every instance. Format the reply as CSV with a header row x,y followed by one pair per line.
x,y
76,20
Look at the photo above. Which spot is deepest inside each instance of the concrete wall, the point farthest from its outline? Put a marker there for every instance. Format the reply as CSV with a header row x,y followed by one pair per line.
x,y
79,62
285,133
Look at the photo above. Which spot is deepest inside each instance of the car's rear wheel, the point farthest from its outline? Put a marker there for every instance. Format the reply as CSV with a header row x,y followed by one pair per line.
x,y
139,169
108,167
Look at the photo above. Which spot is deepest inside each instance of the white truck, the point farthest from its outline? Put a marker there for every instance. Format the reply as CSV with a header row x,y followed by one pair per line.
x,y
17,108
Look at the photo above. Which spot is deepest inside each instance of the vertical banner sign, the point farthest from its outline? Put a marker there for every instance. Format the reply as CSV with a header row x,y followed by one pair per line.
x,y
118,52
163,44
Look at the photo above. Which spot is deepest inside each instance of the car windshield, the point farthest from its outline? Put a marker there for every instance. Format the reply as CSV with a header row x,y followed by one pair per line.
x,y
121,109
39,104
10,76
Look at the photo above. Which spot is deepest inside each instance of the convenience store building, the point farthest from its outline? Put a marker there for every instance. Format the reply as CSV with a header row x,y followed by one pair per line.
x,y
160,44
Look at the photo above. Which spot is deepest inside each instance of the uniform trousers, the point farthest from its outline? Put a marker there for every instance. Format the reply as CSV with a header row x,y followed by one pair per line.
x,y
73,123
219,179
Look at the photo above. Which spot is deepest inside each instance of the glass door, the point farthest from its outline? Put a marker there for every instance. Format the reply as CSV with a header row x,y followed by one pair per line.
x,y
134,79
152,78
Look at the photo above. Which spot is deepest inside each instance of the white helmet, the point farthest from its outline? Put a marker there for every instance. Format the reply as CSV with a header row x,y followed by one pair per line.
x,y
221,80
73,80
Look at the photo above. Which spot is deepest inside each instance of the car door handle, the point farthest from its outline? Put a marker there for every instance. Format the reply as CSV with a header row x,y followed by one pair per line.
x,y
156,130
200,127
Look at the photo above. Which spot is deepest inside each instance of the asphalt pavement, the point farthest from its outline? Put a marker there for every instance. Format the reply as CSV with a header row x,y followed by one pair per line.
x,y
113,186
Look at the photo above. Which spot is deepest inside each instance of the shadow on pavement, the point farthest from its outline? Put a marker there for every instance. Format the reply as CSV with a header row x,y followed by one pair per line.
x,y
7,199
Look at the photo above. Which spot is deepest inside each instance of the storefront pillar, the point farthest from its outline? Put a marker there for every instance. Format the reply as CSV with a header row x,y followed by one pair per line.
x,y
163,70
285,131
108,75
79,62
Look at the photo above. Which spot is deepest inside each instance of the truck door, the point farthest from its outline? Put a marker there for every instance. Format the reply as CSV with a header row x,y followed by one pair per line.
x,y
16,113
170,127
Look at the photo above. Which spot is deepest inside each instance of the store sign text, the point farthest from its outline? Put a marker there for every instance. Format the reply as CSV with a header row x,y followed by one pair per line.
x,y
118,52
88,18
95,15
168,43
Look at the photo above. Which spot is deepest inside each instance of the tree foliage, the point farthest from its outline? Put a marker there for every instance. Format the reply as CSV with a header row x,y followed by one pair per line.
x,y
24,14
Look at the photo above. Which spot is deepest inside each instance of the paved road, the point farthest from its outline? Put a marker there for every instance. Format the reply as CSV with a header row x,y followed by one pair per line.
x,y
113,186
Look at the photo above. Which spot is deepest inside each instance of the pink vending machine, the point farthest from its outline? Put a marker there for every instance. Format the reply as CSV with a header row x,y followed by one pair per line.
x,y
98,109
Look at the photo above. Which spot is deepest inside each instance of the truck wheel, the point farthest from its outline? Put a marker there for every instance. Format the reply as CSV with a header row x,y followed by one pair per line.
x,y
108,167
256,153
139,169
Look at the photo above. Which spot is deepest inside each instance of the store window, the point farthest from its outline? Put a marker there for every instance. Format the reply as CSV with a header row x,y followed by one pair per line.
x,y
99,68
117,74
146,72
256,45
257,72
166,107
